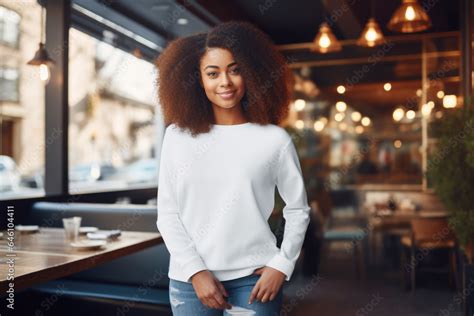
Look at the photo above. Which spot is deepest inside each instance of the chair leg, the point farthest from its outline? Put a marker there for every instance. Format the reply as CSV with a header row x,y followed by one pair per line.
x,y
453,269
404,268
373,247
413,269
356,255
358,252
450,274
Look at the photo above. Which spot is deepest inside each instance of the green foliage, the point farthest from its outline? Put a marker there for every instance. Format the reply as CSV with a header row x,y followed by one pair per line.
x,y
451,169
463,224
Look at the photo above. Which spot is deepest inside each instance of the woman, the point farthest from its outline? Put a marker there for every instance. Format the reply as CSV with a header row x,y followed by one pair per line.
x,y
223,94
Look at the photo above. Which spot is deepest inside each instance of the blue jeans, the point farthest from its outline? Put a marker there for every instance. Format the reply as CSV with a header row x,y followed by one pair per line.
x,y
184,301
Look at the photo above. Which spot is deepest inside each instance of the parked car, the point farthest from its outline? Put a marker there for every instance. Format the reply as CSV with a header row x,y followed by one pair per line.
x,y
9,176
91,172
140,171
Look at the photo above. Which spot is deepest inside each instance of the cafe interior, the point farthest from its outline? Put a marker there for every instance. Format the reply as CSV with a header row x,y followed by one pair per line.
x,y
381,117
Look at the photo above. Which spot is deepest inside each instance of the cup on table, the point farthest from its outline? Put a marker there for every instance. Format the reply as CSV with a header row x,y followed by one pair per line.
x,y
71,228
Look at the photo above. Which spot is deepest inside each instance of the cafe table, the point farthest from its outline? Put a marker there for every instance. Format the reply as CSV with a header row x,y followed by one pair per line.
x,y
46,255
395,223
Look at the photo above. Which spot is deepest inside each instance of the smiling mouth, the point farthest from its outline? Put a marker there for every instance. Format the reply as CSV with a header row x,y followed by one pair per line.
x,y
227,95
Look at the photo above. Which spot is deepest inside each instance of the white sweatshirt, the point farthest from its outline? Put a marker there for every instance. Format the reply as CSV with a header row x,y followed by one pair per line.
x,y
216,192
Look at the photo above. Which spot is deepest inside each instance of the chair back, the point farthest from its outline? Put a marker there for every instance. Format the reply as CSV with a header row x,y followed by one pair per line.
x,y
431,229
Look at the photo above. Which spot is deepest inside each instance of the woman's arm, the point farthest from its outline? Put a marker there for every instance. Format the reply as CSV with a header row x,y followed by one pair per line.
x,y
291,187
176,238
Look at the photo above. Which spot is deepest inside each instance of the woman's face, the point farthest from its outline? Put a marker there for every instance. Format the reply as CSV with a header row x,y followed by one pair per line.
x,y
221,79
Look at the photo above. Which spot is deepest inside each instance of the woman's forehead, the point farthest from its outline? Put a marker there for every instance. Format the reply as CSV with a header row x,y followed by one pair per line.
x,y
217,57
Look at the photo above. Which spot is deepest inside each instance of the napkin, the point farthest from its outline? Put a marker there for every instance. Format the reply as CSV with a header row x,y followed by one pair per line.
x,y
104,234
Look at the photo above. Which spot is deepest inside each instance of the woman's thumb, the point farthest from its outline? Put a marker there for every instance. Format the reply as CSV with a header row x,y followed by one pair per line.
x,y
258,271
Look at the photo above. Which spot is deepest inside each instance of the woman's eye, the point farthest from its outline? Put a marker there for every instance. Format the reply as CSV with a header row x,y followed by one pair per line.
x,y
235,70
211,74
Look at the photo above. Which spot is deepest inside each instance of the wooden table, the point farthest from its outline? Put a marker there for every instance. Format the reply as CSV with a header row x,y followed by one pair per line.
x,y
395,223
45,255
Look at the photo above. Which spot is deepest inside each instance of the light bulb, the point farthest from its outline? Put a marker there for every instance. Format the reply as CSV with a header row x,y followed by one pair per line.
x,y
398,114
300,105
365,121
324,41
356,116
371,35
410,13
318,126
44,73
341,106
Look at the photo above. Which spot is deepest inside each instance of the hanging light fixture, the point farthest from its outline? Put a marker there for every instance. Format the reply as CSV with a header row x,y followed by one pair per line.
x,y
325,41
409,17
372,34
41,57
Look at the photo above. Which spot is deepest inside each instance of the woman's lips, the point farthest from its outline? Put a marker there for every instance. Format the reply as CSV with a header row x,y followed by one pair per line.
x,y
227,95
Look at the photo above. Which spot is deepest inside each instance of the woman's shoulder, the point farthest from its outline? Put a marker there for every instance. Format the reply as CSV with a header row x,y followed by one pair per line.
x,y
276,133
173,130
273,135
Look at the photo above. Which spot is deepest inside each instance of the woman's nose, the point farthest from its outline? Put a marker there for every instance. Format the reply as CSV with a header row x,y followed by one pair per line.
x,y
226,80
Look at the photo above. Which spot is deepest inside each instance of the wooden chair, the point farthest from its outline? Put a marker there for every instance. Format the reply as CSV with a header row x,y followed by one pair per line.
x,y
428,234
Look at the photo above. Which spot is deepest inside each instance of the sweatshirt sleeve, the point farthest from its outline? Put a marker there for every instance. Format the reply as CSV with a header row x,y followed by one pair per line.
x,y
291,187
169,224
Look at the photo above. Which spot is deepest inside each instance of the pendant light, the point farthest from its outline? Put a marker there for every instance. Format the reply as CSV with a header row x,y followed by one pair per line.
x,y
372,34
325,41
41,57
409,17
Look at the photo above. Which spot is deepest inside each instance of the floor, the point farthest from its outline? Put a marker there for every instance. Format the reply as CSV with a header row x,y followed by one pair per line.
x,y
336,291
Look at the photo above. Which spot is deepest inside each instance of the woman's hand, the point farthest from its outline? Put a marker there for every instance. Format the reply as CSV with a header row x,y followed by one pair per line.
x,y
268,284
209,290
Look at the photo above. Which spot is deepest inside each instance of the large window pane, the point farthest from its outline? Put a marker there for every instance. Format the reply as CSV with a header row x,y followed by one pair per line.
x,y
21,101
111,126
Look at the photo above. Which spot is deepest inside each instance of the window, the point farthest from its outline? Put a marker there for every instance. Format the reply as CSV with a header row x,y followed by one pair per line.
x,y
22,104
9,26
8,84
112,117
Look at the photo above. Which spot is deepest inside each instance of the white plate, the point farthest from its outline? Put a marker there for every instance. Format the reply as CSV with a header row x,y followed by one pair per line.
x,y
87,229
88,244
27,228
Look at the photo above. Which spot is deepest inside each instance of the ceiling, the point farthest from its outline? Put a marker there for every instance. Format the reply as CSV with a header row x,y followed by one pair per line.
x,y
294,21
297,21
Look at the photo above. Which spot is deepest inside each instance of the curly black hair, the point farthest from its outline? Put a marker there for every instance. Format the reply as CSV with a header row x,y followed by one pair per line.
x,y
268,79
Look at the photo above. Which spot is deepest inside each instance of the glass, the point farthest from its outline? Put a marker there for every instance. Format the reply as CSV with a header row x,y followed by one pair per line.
x,y
71,228
112,132
22,102
9,25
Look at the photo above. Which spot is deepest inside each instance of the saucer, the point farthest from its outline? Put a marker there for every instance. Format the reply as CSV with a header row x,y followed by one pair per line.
x,y
27,228
88,244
